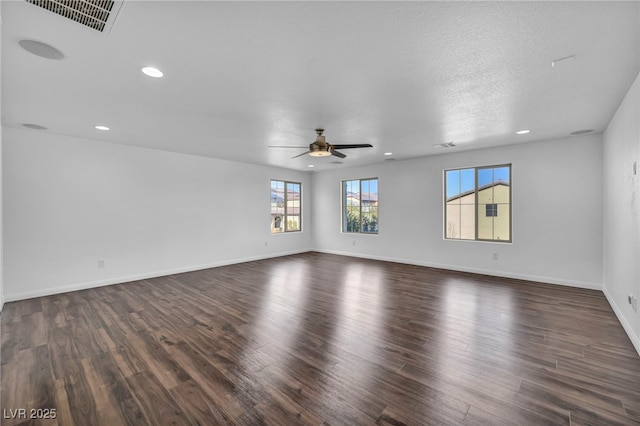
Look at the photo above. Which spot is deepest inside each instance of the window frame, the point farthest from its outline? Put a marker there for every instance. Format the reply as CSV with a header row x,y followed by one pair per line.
x,y
286,215
343,194
477,205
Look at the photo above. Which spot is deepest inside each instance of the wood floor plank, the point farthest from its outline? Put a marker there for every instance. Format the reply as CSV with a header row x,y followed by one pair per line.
x,y
320,339
108,377
155,401
571,397
107,410
81,401
479,417
9,340
199,407
233,399
42,380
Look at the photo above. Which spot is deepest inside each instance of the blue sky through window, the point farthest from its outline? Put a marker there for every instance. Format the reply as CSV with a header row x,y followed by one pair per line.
x,y
463,180
369,186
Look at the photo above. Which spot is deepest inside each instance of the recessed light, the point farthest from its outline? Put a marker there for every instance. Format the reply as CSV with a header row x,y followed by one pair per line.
x,y
522,132
388,153
311,165
41,49
34,126
102,128
152,72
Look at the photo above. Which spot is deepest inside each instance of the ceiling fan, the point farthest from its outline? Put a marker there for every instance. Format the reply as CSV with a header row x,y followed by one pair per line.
x,y
320,147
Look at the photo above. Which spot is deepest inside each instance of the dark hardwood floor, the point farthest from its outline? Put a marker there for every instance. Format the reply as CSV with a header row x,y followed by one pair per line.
x,y
319,339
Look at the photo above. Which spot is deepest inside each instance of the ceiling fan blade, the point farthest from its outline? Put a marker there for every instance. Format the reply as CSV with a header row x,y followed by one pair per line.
x,y
300,155
337,154
348,146
287,146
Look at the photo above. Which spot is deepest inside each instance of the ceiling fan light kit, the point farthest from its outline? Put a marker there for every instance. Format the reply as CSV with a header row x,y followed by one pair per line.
x,y
319,150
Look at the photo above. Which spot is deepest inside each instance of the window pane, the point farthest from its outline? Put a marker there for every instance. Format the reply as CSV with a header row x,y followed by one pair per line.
x,y
494,200
501,174
452,185
369,206
277,206
365,189
468,198
501,192
351,202
501,226
277,196
453,221
352,220
467,221
460,221
352,193
468,180
293,223
485,178
281,195
293,199
485,224
277,223
370,220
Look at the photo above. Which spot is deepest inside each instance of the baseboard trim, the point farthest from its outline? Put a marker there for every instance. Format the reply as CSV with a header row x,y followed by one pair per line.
x,y
137,277
536,278
635,340
155,274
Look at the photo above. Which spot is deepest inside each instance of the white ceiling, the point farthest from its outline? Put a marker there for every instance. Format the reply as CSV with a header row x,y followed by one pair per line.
x,y
402,76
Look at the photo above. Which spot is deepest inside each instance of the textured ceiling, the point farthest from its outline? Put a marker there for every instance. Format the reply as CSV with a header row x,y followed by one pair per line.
x,y
402,76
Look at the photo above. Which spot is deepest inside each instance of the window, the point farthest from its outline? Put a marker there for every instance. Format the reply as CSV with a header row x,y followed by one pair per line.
x,y
360,206
478,203
492,210
286,208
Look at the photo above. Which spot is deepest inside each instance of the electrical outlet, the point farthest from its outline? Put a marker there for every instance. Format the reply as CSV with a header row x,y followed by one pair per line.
x,y
266,243
353,243
102,263
495,256
633,301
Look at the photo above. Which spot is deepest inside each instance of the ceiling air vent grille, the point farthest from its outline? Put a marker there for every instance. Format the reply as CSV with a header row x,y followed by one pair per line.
x,y
445,145
92,13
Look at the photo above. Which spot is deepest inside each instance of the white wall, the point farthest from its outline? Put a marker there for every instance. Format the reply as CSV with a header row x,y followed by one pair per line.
x,y
69,202
622,211
1,238
557,213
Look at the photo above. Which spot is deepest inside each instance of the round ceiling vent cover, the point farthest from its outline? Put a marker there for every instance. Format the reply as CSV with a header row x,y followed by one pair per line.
x,y
41,49
581,132
34,126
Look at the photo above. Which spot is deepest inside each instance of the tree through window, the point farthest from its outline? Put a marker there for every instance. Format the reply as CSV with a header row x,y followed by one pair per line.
x,y
360,206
